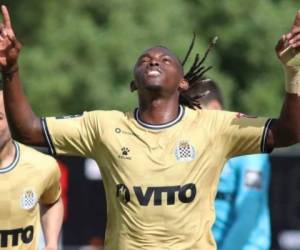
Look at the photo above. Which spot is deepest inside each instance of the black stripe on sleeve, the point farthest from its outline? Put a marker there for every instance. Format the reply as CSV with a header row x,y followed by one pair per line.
x,y
47,136
263,143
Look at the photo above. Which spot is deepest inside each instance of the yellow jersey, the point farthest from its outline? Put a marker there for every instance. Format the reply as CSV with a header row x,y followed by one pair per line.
x,y
31,178
160,180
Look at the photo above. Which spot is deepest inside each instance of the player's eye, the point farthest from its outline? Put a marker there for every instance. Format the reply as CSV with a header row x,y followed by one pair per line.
x,y
144,60
166,60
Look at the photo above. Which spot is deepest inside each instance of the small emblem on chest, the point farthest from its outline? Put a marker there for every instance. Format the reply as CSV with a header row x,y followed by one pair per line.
x,y
125,153
184,151
28,199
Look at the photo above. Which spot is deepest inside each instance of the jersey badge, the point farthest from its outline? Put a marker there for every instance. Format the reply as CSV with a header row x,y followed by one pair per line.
x,y
28,199
184,151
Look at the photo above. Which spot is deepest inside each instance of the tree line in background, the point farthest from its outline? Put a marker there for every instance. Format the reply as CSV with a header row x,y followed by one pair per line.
x,y
79,55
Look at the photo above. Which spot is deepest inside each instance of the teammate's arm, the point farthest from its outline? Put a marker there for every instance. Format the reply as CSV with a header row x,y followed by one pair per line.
x,y
52,209
24,124
51,219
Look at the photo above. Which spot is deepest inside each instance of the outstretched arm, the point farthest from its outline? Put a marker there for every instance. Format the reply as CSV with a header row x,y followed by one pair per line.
x,y
285,130
24,124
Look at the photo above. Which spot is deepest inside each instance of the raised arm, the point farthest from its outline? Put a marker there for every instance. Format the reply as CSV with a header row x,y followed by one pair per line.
x,y
24,124
285,130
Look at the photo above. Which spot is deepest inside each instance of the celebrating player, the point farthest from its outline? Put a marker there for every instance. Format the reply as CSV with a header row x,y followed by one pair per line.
x,y
161,163
29,180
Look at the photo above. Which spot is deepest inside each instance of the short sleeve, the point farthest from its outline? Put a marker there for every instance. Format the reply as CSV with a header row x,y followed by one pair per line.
x,y
240,134
52,190
72,135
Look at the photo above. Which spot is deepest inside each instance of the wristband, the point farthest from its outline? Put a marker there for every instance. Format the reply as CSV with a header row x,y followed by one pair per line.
x,y
10,71
290,59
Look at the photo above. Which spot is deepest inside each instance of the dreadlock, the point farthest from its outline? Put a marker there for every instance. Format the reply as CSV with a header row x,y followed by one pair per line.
x,y
195,75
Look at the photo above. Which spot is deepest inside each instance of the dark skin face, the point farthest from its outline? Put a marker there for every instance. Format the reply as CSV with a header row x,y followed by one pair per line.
x,y
159,73
159,79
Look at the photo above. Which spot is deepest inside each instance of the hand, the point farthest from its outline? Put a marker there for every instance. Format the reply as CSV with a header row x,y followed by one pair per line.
x,y
289,44
288,49
9,45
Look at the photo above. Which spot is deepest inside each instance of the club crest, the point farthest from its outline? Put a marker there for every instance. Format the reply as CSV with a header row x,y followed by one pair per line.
x,y
184,151
28,199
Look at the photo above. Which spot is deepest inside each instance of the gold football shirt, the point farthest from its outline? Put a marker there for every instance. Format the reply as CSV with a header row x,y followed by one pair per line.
x,y
30,178
160,180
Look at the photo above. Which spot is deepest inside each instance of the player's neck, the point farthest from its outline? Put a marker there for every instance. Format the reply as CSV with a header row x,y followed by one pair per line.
x,y
158,111
7,154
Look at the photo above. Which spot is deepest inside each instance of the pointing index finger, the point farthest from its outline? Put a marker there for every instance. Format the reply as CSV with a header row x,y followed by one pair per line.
x,y
6,18
297,20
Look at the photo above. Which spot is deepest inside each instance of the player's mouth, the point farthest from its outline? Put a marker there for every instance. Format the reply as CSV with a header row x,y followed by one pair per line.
x,y
153,72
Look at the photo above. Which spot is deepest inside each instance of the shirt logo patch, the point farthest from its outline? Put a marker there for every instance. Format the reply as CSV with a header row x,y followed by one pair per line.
x,y
28,199
123,193
125,153
253,179
124,132
184,151
240,115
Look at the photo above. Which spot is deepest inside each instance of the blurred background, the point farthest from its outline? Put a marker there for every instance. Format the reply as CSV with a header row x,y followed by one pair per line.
x,y
79,55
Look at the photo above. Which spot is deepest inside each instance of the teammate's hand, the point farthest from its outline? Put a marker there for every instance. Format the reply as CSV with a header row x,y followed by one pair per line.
x,y
289,44
9,45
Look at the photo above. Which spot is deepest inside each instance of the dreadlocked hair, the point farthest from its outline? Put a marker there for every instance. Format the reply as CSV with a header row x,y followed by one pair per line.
x,y
195,75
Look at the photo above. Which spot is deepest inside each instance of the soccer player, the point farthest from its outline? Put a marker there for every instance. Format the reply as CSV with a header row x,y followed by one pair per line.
x,y
29,181
161,163
242,212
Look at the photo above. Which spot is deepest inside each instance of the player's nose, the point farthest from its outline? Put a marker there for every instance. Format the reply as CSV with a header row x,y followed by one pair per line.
x,y
154,62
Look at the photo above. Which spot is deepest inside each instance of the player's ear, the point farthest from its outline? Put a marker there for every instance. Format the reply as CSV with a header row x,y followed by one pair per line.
x,y
183,85
132,86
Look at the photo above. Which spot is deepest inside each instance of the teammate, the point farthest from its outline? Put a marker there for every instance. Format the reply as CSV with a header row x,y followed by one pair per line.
x,y
29,180
161,163
242,212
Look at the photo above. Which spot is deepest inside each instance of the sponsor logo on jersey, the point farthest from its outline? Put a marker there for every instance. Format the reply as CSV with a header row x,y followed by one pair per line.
x,y
28,199
123,132
118,130
12,237
184,194
123,193
125,153
253,179
184,151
